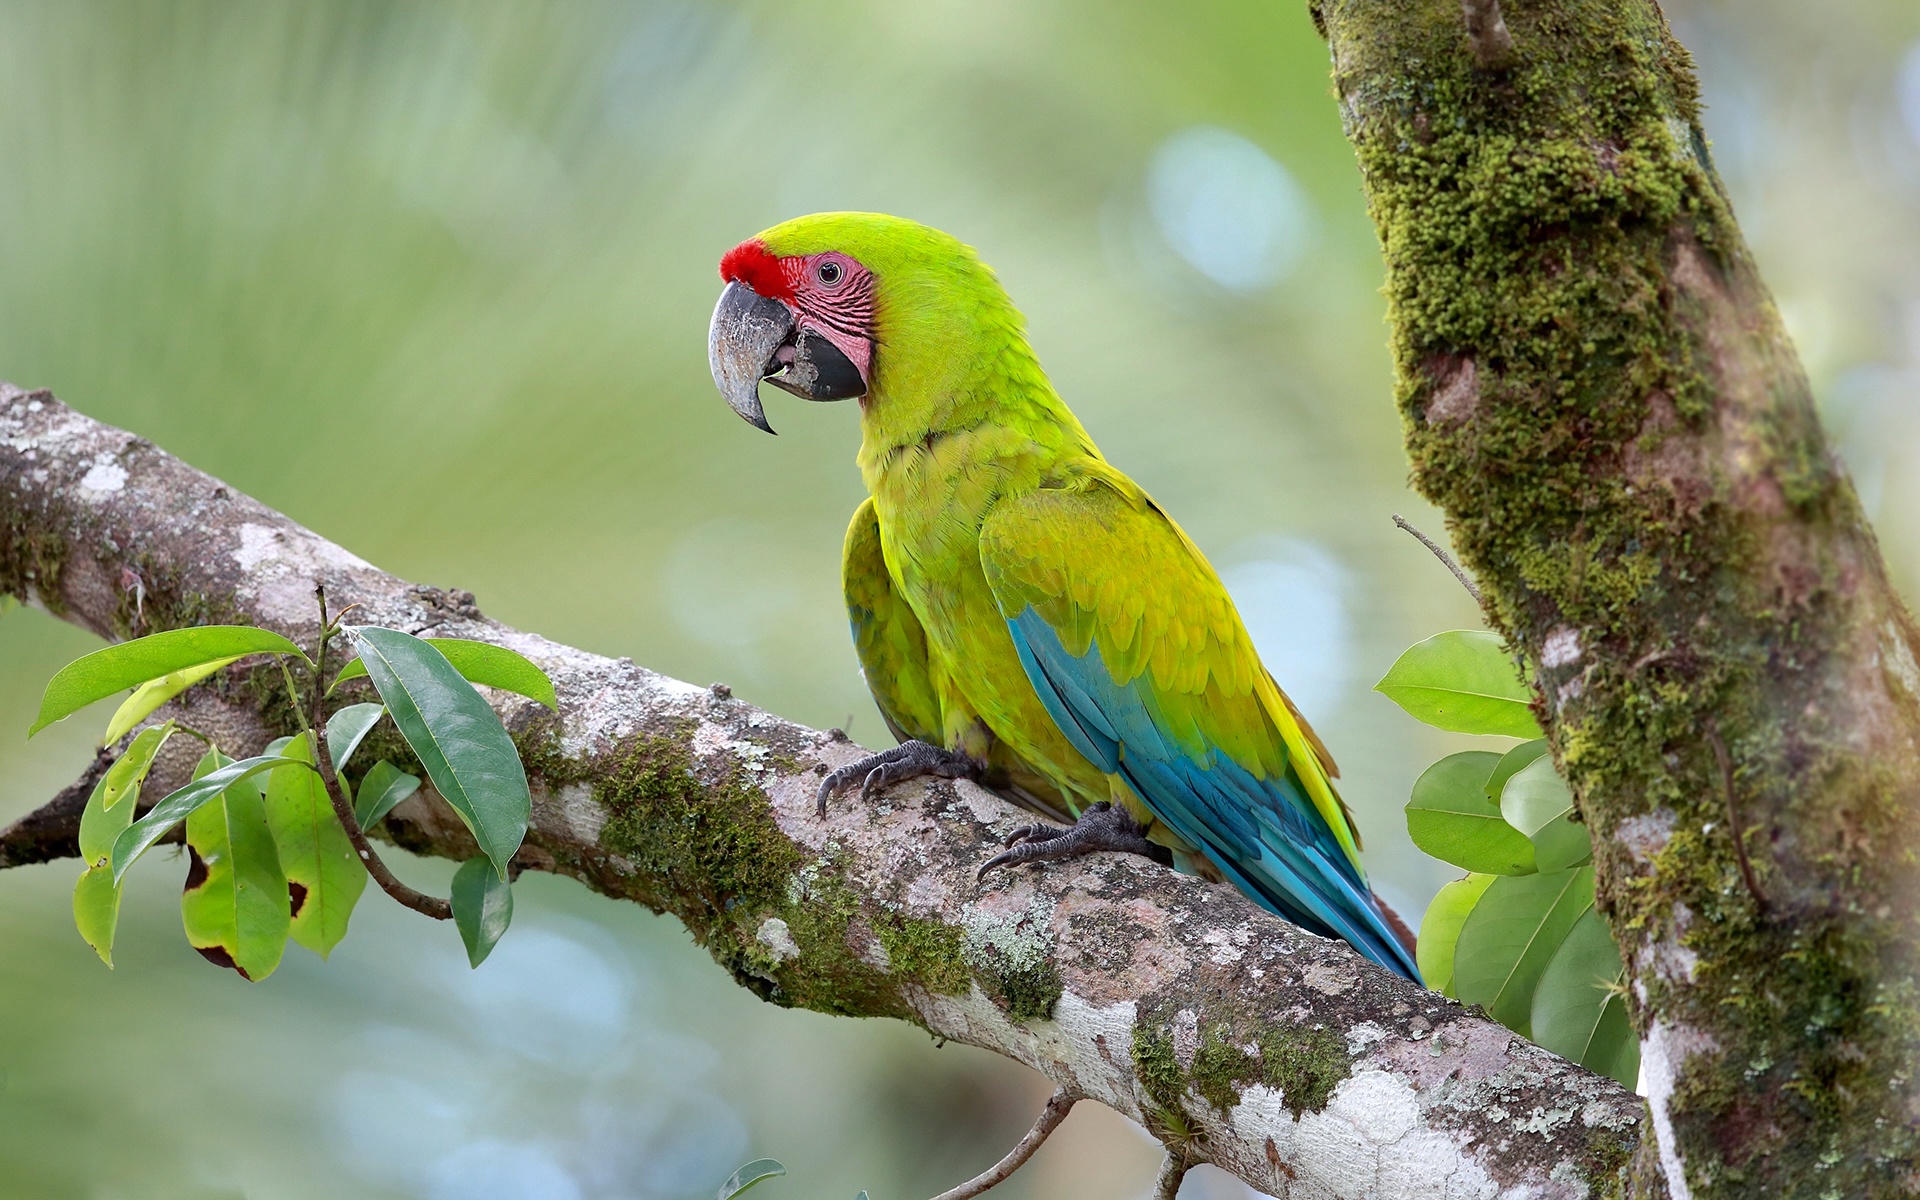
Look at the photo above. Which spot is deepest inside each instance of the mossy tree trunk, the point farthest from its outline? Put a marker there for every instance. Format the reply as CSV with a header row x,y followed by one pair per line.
x,y
1597,390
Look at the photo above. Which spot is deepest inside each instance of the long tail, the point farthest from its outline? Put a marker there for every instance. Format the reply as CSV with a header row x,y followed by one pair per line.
x,y
1260,833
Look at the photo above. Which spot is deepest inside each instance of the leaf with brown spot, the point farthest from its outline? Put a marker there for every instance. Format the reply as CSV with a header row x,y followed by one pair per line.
x,y
315,851
234,905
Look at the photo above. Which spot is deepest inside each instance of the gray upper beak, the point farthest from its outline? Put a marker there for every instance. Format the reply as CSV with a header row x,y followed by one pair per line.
x,y
748,330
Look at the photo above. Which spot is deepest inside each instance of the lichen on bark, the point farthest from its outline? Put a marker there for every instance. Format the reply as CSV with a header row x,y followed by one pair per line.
x,y
1596,389
703,806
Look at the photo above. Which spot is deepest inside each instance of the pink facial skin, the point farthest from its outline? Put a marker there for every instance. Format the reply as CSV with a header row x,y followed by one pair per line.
x,y
828,294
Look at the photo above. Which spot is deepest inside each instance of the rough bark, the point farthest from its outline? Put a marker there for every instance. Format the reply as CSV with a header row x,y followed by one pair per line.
x,y
1598,392
1235,1037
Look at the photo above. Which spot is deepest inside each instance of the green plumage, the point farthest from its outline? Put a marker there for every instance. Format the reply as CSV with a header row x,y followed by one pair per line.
x,y
1016,597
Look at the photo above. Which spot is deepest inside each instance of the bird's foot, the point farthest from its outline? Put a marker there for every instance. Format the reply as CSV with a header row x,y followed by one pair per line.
x,y
1101,827
908,760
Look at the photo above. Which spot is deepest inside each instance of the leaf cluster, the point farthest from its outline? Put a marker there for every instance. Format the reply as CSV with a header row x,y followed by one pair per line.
x,y
276,843
1520,935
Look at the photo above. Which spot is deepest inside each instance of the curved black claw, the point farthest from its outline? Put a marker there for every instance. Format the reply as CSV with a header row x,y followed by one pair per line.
x,y
1101,827
908,760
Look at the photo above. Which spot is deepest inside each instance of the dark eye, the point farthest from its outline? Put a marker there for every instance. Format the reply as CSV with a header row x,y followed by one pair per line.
x,y
829,272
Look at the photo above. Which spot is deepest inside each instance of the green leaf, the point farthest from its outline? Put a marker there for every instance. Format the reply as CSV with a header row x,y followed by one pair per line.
x,y
1534,796
324,873
483,663
96,897
1464,682
152,694
99,825
1451,818
482,907
175,808
1538,803
381,788
8,602
1580,1007
124,777
1510,763
757,1171
234,904
346,729
1510,937
96,909
130,664
474,765
1440,929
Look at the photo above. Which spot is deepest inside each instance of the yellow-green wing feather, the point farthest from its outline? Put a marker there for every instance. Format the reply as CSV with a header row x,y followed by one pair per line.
x,y
1102,564
1135,650
887,636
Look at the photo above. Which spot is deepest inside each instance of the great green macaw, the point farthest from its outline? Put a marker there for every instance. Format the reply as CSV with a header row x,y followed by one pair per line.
x,y
1025,614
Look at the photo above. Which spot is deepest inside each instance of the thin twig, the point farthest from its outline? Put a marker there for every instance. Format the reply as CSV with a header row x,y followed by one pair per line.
x,y
1439,552
1175,1169
1734,826
418,901
293,694
1058,1105
320,656
1487,30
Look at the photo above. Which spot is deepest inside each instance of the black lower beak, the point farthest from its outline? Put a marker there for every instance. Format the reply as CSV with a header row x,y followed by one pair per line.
x,y
743,344
819,371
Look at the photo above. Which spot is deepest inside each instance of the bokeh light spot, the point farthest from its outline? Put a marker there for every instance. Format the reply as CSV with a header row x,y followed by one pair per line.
x,y
1292,597
1908,91
1225,206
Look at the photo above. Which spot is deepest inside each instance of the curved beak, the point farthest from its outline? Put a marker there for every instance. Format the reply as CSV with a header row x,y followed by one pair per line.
x,y
743,344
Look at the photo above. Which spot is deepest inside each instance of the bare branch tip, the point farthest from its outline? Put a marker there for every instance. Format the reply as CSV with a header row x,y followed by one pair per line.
x,y
1439,552
1058,1106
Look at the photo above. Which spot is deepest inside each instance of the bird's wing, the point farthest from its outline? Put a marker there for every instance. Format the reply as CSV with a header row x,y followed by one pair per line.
x,y
1136,650
887,636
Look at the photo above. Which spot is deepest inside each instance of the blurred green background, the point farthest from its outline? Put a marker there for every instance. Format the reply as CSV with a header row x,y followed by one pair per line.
x,y
433,278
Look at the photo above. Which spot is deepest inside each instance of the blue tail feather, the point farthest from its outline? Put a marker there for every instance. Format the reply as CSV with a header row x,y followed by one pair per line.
x,y
1262,833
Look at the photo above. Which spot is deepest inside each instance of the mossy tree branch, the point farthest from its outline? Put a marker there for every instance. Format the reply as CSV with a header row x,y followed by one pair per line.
x,y
1597,390
1233,1036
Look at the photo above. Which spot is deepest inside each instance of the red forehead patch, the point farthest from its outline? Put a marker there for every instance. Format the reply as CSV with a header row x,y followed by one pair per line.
x,y
753,264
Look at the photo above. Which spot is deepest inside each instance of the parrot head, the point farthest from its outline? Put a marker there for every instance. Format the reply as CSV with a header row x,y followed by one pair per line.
x,y
811,304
